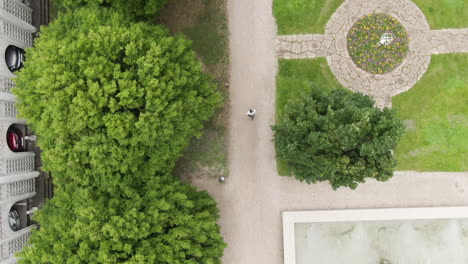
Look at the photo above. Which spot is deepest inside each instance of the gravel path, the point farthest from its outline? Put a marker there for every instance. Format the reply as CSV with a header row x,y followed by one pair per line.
x,y
253,197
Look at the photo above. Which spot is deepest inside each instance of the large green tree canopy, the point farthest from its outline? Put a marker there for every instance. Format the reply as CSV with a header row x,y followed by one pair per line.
x,y
164,222
134,8
108,97
338,136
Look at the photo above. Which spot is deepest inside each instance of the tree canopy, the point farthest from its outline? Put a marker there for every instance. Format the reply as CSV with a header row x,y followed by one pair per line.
x,y
338,136
135,8
109,97
114,103
164,222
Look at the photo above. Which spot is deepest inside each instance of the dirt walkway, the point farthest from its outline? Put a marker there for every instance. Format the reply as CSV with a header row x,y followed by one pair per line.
x,y
254,196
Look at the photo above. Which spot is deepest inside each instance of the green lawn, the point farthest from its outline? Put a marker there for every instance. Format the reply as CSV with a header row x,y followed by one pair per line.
x,y
294,78
435,109
205,23
445,13
436,113
311,16
303,16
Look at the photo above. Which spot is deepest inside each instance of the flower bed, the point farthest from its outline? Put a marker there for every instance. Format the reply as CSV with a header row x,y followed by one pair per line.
x,y
365,48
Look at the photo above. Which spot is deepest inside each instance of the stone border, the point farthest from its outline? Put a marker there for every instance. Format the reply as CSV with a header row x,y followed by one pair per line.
x,y
290,218
422,43
380,86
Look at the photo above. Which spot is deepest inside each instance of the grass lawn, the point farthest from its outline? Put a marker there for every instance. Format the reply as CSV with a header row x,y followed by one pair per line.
x,y
205,23
298,76
435,109
436,114
303,16
311,16
445,13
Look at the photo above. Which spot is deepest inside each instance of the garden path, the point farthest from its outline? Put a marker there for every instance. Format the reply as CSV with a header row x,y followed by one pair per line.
x,y
253,196
332,45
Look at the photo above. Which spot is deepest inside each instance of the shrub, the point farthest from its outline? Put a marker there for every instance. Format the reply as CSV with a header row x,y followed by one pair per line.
x,y
135,8
338,136
165,222
108,97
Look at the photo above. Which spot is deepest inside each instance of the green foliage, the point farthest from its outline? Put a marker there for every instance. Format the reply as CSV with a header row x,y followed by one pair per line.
x,y
303,16
166,222
205,24
294,78
108,97
135,8
337,136
365,50
114,103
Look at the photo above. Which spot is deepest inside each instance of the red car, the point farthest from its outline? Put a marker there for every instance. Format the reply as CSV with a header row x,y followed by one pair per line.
x,y
15,139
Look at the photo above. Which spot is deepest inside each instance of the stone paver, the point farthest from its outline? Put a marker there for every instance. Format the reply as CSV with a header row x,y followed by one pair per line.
x,y
448,40
306,46
332,45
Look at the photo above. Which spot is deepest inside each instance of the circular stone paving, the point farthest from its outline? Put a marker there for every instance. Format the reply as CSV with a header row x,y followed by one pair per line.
x,y
377,43
380,86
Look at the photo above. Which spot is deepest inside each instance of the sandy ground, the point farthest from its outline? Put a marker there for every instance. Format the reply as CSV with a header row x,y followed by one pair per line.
x,y
253,197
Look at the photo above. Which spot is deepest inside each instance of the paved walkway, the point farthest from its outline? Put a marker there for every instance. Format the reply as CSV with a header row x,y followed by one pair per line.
x,y
332,45
253,197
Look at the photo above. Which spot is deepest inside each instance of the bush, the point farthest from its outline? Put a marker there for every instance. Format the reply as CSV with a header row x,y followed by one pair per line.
x,y
165,222
135,8
339,137
108,97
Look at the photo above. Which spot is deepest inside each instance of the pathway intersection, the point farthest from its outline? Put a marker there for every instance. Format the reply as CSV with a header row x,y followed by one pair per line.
x,y
332,45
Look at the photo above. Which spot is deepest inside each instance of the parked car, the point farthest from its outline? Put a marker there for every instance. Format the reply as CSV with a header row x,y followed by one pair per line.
x,y
14,220
15,139
14,58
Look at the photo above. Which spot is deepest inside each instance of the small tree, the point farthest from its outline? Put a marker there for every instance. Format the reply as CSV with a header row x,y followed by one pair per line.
x,y
134,8
338,136
165,222
108,97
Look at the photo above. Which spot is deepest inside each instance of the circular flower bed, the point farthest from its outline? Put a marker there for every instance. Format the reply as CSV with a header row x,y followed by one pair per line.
x,y
369,52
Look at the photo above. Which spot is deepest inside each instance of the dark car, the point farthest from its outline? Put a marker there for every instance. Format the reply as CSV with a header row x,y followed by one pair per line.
x,y
15,139
14,58
14,220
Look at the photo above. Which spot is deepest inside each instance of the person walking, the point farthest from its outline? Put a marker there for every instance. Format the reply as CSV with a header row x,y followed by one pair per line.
x,y
251,113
